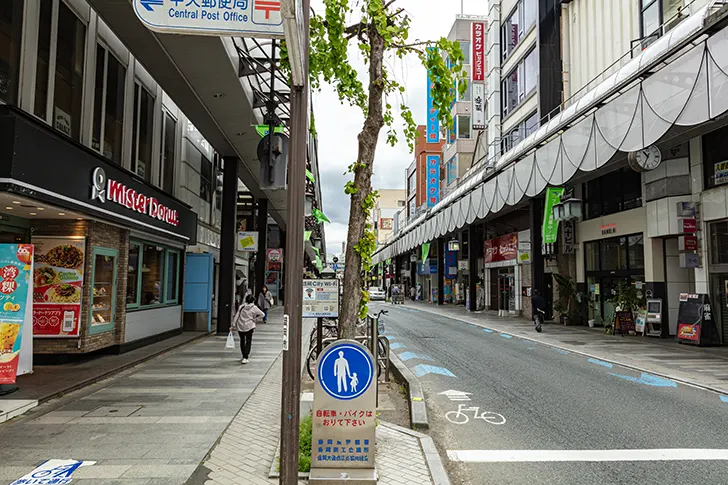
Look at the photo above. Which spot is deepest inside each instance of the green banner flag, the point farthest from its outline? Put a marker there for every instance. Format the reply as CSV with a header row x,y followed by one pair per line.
x,y
263,129
319,264
309,175
550,228
316,250
425,251
320,216
306,235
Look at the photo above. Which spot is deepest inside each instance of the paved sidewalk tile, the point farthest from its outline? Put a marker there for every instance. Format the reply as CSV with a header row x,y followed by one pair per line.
x,y
702,366
151,424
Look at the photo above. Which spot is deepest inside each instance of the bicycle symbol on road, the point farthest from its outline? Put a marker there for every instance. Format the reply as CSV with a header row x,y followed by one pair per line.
x,y
461,415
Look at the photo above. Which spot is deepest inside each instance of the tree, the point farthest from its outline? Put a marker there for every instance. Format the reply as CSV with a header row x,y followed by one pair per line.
x,y
381,30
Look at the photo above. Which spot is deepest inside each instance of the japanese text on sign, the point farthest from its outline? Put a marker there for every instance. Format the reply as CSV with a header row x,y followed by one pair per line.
x,y
320,298
433,180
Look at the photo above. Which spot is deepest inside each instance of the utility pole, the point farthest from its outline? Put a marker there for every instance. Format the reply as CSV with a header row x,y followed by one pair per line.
x,y
291,385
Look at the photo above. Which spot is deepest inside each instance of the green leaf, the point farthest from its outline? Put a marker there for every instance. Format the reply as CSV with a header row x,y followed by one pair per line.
x,y
319,215
309,175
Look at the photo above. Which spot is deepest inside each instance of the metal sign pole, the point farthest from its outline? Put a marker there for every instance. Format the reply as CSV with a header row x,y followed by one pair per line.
x,y
291,385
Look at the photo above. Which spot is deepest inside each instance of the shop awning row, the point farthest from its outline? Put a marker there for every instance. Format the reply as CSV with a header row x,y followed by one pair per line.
x,y
680,80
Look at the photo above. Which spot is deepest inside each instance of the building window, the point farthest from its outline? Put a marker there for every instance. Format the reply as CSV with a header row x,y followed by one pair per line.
x,y
467,95
464,126
601,198
11,22
530,74
465,47
400,203
517,25
142,134
66,69
520,83
650,17
715,160
166,167
108,105
520,132
719,243
155,277
206,180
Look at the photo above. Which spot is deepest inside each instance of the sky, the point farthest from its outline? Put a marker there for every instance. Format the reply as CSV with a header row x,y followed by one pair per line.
x,y
338,125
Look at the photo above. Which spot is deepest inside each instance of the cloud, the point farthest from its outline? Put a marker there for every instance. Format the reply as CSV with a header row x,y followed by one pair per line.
x,y
339,124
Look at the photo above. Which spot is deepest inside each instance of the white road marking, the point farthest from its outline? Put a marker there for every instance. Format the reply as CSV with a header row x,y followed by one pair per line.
x,y
454,395
496,456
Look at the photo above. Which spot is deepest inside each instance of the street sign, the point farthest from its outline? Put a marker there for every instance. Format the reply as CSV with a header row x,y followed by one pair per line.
x,y
344,412
246,18
321,298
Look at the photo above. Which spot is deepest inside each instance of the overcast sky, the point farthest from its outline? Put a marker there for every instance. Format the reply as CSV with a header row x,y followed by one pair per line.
x,y
338,125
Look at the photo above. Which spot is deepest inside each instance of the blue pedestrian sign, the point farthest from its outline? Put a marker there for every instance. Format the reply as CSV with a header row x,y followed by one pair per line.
x,y
251,18
345,370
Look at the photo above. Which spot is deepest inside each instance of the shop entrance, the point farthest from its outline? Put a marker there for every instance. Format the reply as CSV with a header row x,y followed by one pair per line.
x,y
506,290
608,262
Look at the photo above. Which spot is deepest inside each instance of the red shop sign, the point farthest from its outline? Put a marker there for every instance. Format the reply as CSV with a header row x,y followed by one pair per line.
x,y
478,54
504,248
689,226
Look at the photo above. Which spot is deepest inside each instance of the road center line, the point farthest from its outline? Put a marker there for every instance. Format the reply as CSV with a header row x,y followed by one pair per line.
x,y
513,456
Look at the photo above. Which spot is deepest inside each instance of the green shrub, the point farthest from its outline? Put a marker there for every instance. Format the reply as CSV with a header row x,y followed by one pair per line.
x,y
304,444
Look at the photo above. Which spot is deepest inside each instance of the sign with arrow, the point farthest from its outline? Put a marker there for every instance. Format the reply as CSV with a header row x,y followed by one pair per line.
x,y
245,18
454,395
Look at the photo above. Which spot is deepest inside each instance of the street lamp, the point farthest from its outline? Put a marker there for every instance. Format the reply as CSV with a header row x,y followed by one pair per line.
x,y
453,245
567,210
413,258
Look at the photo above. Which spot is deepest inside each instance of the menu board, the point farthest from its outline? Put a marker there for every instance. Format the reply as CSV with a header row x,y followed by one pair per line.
x,y
58,286
624,322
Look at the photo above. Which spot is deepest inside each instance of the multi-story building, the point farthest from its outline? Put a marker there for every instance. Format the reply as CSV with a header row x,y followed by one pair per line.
x,y
468,110
631,129
113,166
389,202
421,192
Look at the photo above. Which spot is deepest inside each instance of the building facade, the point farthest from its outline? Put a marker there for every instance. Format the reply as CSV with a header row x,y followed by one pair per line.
x,y
386,207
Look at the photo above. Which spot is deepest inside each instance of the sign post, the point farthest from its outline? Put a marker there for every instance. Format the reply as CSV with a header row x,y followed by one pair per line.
x,y
344,415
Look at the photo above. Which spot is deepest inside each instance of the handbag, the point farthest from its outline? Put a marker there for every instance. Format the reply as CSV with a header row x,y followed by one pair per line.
x,y
230,343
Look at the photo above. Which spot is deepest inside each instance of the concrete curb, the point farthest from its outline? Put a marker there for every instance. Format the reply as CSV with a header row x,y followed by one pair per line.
x,y
432,457
418,407
610,360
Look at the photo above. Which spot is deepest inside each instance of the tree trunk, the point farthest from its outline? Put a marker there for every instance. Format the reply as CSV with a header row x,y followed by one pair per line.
x,y
368,138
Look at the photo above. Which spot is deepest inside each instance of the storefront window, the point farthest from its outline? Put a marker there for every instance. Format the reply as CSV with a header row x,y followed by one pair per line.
x,y
719,243
636,252
715,161
142,135
592,255
614,253
103,291
108,105
68,89
153,275
132,289
11,21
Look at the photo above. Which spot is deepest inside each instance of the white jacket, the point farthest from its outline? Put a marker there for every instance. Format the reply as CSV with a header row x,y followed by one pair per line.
x,y
246,317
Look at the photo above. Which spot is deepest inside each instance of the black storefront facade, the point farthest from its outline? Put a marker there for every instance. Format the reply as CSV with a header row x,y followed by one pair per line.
x,y
132,236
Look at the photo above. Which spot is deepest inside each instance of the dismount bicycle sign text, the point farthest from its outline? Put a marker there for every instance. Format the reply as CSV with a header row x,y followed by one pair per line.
x,y
251,18
344,412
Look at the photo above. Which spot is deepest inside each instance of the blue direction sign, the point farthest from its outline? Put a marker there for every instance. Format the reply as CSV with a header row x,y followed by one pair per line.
x,y
254,18
345,371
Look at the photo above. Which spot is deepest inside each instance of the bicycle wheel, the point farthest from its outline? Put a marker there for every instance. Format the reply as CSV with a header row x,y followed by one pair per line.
x,y
492,418
381,348
311,362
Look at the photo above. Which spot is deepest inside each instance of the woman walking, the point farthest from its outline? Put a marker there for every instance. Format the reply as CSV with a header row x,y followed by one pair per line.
x,y
244,323
265,301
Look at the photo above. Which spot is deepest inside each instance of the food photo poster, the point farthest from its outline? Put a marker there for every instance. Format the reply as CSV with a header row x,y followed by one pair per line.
x,y
58,286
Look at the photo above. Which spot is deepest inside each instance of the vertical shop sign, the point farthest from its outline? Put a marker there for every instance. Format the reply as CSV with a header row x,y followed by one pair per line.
x,y
433,115
478,108
58,286
433,180
568,237
425,251
451,264
550,228
478,46
15,305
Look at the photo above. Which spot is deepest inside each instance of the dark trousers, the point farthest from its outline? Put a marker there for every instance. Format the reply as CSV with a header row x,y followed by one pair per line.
x,y
246,340
265,313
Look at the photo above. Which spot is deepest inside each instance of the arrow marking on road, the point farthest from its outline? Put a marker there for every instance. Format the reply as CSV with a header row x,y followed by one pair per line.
x,y
724,398
396,345
487,330
405,356
601,362
649,380
669,454
148,4
505,335
454,395
424,369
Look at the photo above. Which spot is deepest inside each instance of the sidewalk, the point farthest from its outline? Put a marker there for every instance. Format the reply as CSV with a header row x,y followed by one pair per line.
x,y
246,450
705,367
149,425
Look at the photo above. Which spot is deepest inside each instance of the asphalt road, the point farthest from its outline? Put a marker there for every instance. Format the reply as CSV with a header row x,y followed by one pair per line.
x,y
558,407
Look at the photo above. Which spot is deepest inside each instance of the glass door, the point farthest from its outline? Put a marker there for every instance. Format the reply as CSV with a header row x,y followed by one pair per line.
x,y
103,290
